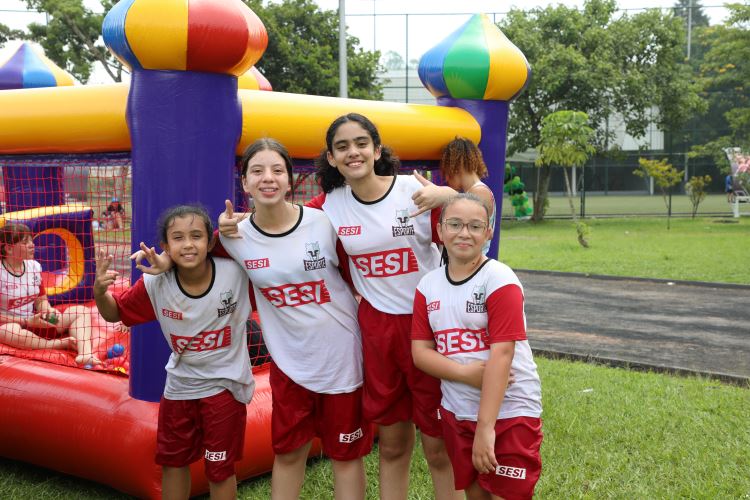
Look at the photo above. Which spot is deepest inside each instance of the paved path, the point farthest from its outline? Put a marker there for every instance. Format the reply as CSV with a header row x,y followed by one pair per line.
x,y
679,326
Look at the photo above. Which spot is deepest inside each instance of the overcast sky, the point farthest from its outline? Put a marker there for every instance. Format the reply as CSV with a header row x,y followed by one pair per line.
x,y
429,21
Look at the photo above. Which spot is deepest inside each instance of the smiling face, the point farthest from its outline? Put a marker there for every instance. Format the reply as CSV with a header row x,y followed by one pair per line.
x,y
266,178
470,218
353,152
187,241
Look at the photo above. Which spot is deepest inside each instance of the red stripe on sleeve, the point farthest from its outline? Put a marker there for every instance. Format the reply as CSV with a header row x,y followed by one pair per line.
x,y
344,265
134,305
420,324
505,320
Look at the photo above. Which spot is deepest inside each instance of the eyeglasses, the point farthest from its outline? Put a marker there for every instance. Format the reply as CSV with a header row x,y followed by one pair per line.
x,y
455,226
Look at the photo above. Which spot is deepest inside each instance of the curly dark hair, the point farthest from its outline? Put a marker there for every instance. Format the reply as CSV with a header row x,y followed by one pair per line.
x,y
462,155
328,177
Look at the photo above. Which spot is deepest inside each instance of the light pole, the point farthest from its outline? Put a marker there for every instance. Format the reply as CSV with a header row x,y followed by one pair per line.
x,y
343,81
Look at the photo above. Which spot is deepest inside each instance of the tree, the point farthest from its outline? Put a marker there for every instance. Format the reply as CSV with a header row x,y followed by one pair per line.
x,y
724,76
696,190
566,141
393,61
7,34
72,37
303,51
665,176
601,64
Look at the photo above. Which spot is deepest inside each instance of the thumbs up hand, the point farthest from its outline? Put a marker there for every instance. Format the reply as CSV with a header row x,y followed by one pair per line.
x,y
429,196
229,220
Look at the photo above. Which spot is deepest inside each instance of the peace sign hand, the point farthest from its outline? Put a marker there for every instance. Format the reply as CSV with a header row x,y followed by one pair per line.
x,y
104,276
157,263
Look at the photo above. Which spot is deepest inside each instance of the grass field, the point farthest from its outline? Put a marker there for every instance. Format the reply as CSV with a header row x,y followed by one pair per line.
x,y
702,249
608,433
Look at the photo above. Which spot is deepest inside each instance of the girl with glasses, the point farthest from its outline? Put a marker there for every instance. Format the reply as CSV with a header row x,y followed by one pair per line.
x,y
469,330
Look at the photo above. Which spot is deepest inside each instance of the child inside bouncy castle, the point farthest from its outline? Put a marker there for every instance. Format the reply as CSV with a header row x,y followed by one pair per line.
x,y
27,319
114,215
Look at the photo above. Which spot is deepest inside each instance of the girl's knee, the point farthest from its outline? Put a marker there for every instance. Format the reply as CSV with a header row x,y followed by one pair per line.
x,y
435,452
394,449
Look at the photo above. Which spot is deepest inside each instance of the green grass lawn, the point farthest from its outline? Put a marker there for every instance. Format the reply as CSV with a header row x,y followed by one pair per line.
x,y
608,433
702,249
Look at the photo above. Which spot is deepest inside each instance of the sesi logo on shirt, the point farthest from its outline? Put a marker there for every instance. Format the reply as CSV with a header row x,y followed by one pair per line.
x,y
433,306
350,230
297,294
171,314
257,263
386,263
204,341
20,301
459,340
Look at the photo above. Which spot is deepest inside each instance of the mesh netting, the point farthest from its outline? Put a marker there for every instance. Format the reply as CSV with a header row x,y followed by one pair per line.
x,y
72,206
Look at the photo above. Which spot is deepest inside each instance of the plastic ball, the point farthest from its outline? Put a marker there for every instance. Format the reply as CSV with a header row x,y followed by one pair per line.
x,y
115,351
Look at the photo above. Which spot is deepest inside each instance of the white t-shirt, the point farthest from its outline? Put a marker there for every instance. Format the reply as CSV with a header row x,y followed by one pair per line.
x,y
463,319
307,312
389,252
207,334
18,293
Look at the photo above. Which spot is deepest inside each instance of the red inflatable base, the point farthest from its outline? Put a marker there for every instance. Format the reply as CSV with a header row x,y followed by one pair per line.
x,y
84,423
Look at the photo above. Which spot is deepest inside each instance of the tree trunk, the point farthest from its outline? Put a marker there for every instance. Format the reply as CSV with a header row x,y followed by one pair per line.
x,y
542,192
569,192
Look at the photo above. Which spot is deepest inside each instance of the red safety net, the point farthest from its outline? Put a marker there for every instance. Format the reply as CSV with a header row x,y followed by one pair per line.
x,y
56,213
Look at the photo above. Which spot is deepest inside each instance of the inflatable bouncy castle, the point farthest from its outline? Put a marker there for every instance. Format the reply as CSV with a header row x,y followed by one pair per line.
x,y
173,136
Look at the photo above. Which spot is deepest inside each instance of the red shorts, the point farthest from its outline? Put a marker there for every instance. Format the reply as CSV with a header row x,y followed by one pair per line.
x,y
395,390
212,427
517,443
299,415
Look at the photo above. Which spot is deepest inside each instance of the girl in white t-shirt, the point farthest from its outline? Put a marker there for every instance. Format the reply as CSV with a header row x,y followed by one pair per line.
x,y
27,320
469,330
389,250
309,319
202,306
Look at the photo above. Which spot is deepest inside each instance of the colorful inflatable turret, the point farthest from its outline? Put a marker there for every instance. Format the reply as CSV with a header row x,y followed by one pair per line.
x,y
478,69
29,68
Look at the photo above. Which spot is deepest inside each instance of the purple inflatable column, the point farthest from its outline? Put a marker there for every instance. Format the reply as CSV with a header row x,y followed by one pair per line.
x,y
478,69
185,121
